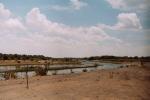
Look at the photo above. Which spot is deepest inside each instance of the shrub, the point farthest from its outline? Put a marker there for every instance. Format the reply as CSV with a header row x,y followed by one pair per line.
x,y
9,75
84,70
41,71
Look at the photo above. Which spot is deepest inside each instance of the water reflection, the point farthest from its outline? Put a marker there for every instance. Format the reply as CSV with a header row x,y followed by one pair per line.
x,y
23,74
66,71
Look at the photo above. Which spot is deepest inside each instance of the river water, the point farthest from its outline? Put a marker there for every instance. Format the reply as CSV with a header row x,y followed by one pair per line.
x,y
66,71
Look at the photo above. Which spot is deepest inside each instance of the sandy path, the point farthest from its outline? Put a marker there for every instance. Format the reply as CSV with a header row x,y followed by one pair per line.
x,y
117,84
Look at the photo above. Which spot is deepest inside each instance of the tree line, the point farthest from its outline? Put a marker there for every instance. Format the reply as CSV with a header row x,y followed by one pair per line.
x,y
22,57
41,57
119,58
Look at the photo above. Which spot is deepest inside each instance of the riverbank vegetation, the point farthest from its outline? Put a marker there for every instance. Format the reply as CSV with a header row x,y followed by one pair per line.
x,y
18,59
41,57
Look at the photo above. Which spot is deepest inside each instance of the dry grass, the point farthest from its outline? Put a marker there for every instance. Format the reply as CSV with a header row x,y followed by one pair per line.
x,y
117,84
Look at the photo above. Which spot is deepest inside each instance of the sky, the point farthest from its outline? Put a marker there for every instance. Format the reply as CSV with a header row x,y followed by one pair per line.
x,y
75,28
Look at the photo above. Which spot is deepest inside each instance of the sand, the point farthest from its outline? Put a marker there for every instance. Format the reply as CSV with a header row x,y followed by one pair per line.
x,y
116,84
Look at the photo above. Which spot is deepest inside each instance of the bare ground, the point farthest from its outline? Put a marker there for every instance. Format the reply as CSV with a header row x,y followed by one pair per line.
x,y
116,84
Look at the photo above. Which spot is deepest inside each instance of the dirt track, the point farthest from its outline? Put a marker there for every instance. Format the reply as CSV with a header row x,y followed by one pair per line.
x,y
116,84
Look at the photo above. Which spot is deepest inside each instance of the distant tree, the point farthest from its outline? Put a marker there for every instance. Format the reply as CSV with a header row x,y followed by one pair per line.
x,y
5,57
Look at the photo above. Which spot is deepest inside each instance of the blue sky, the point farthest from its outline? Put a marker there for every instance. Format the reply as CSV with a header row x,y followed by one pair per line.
x,y
75,28
97,11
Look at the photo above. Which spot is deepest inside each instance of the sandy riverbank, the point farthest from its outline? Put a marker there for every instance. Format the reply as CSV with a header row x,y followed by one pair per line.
x,y
116,84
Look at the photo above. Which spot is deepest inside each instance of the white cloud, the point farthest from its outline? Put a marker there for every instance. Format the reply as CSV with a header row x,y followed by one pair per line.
x,y
77,4
42,36
73,5
126,21
9,24
61,31
4,13
117,3
130,5
12,25
53,29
